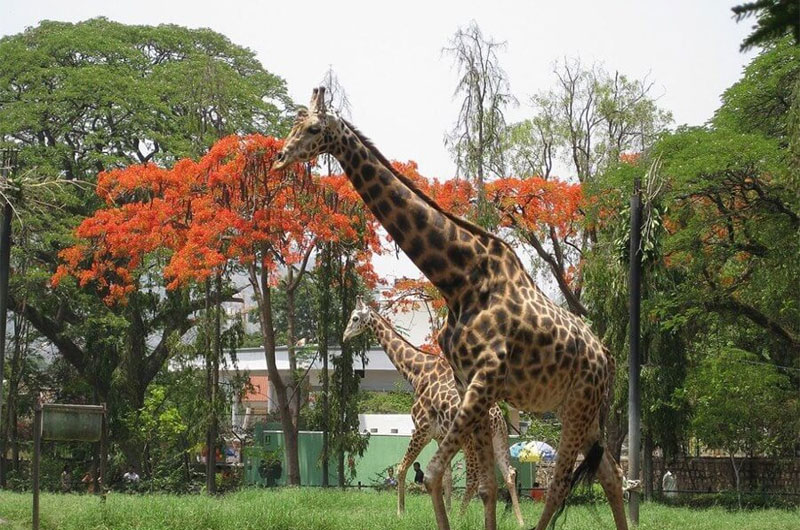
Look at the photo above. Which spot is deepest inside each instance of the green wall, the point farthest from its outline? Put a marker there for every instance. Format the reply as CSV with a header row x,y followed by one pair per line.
x,y
383,451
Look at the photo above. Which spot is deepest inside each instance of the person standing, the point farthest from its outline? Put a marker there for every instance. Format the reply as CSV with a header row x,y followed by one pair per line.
x,y
419,475
66,479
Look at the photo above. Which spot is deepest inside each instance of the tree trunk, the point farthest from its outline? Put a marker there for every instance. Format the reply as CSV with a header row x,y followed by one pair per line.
x,y
295,393
736,479
5,257
616,431
648,466
212,381
259,279
9,427
323,322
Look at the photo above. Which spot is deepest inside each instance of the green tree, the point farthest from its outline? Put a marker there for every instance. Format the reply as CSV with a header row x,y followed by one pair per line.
x,y
742,405
476,140
81,98
774,19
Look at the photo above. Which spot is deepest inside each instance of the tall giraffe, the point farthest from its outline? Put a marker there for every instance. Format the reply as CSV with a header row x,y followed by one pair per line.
x,y
436,403
505,340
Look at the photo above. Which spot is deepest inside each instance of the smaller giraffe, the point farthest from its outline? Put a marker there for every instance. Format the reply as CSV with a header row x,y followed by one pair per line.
x,y
436,404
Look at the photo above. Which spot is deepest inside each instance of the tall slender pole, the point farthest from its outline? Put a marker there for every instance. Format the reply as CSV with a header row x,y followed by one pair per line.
x,y
634,401
37,449
8,162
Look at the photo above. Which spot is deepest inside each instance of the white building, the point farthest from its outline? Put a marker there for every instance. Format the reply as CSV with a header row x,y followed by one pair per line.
x,y
377,373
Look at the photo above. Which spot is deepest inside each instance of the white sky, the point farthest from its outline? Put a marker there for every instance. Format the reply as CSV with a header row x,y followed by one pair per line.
x,y
388,55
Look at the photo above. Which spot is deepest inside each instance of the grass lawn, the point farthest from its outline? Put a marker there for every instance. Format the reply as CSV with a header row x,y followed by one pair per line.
x,y
314,509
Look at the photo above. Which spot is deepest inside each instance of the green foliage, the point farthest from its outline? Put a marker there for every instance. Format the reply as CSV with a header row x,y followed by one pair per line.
x,y
545,429
775,19
397,401
99,94
81,98
306,311
743,404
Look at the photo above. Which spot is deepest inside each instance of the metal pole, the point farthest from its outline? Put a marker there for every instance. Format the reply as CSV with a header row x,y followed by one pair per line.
x,y
634,400
37,449
8,161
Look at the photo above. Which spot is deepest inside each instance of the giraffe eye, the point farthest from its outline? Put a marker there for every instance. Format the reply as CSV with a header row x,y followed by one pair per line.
x,y
315,129
355,319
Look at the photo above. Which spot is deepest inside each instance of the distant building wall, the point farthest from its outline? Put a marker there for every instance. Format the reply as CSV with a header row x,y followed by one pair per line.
x,y
708,474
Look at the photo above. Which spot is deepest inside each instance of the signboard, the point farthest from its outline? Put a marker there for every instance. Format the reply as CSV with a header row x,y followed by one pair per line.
x,y
77,423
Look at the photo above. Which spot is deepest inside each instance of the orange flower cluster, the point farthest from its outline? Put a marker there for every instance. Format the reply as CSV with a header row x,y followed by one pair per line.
x,y
536,204
200,215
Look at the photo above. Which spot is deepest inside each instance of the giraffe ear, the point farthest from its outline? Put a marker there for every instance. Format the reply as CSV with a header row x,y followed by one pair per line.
x,y
302,114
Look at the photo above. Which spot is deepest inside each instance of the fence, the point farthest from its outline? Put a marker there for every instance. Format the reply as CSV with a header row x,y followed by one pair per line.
x,y
709,474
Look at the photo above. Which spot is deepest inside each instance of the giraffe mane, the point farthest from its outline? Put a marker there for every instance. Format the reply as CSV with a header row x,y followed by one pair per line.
x,y
402,338
460,221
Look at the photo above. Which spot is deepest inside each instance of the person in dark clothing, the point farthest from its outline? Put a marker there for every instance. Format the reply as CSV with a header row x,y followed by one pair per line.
x,y
419,476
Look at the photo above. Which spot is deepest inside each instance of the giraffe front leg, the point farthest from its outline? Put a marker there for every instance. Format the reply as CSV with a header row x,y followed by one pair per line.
x,y
487,490
419,440
471,459
447,484
472,414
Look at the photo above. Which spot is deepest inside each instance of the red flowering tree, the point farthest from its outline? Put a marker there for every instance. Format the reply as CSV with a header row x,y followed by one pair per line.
x,y
548,215
226,211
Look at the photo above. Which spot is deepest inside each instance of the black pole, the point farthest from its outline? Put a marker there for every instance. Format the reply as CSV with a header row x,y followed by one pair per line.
x,y
634,399
37,449
8,161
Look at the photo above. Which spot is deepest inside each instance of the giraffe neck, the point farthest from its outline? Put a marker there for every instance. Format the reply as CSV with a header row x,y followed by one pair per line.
x,y
445,248
405,357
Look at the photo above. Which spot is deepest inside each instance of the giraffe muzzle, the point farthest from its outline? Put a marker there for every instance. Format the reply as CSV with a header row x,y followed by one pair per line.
x,y
280,161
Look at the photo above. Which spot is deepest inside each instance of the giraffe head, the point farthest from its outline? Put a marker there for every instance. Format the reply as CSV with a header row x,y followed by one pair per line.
x,y
359,320
313,133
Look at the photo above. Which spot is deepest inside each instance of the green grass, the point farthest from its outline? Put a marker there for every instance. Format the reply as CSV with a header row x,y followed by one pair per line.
x,y
314,509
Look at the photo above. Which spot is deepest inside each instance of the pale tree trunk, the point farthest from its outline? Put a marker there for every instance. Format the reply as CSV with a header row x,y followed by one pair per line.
x,y
648,466
616,431
323,284
211,421
295,384
736,478
259,280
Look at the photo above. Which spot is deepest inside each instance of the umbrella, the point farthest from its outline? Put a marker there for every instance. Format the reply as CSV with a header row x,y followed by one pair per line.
x,y
534,451
515,449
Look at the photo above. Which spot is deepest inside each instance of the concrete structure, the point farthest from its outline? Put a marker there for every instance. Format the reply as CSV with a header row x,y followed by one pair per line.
x,y
378,373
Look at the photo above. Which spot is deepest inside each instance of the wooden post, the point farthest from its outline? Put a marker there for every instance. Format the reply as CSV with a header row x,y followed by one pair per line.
x,y
37,449
103,454
634,398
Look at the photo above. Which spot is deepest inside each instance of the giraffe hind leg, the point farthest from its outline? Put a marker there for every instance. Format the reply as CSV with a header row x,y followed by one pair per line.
x,y
508,471
419,440
576,436
610,476
473,411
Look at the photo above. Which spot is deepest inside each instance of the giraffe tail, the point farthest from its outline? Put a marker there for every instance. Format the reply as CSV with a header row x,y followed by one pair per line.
x,y
583,475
